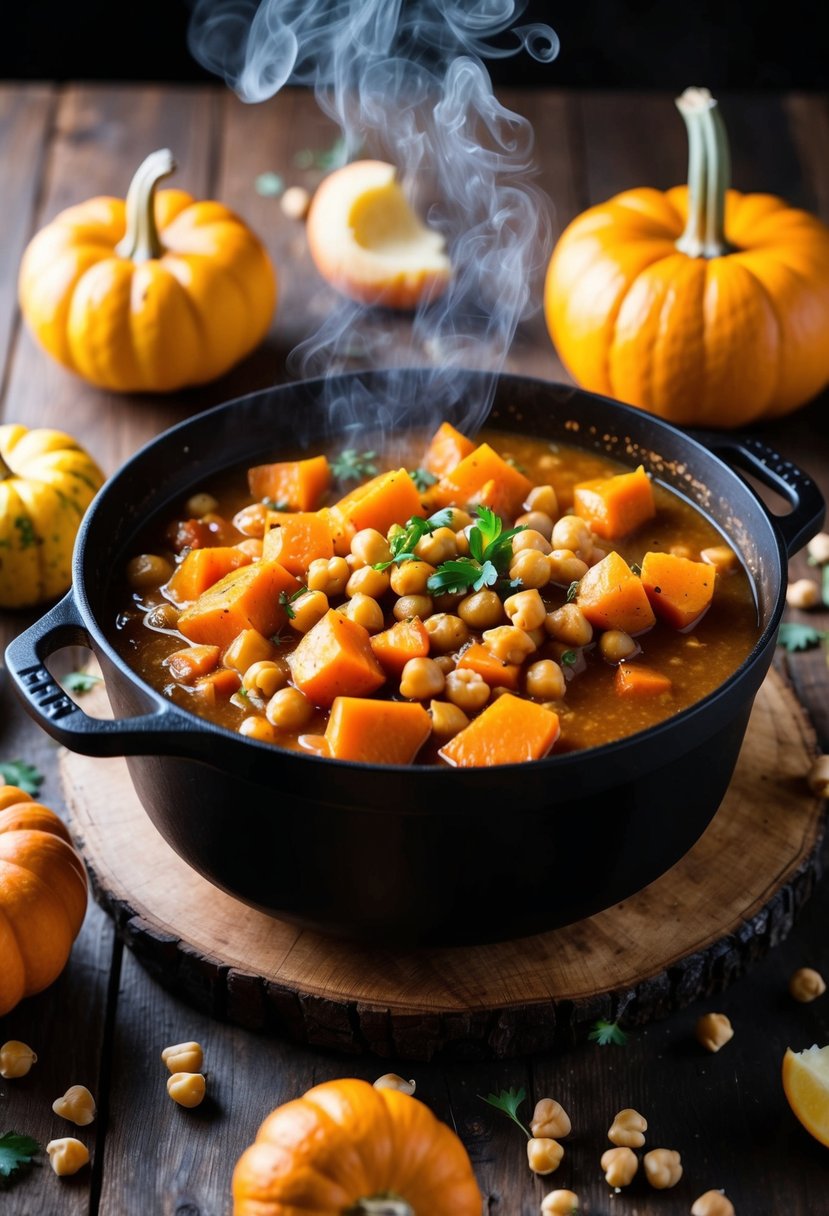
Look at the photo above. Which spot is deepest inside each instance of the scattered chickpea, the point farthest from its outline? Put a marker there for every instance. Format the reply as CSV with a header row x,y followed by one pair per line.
x,y
163,616
187,1088
532,538
467,689
713,1203
545,681
806,985
446,632
620,1166
682,551
410,578
446,662
818,778
458,519
565,567
804,594
721,557
421,678
571,532
148,570
77,1105
370,546
265,678
200,504
663,1168
365,611
252,520
569,624
560,1203
67,1155
390,1080
628,1128
413,605
16,1059
259,729
289,709
531,567
329,576
448,720
183,1057
713,1031
537,521
439,546
295,202
616,645
481,610
508,644
544,1154
367,581
818,548
550,1119
525,609
308,609
542,498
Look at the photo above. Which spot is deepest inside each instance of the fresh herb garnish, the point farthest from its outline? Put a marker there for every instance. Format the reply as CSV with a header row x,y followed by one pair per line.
x,y
490,551
276,639
605,1033
572,591
570,657
81,681
794,636
507,1102
25,776
422,478
352,465
286,601
402,541
17,1153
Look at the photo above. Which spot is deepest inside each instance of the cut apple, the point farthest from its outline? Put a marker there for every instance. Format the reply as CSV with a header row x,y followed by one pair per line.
x,y
368,243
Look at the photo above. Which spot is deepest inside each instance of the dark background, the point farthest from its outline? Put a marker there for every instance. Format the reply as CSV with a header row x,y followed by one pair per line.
x,y
641,44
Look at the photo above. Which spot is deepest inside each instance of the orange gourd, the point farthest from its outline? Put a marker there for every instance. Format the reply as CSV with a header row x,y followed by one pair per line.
x,y
700,304
42,896
346,1147
150,294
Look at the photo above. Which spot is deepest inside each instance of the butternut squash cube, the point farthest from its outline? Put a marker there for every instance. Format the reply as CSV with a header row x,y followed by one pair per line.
x,y
493,671
404,640
201,569
390,498
244,599
615,506
297,540
335,659
637,680
680,590
611,596
509,731
298,484
376,732
484,478
447,448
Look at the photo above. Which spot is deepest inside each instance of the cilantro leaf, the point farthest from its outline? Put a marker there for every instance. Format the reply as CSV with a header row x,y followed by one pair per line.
x,y
572,591
25,776
794,636
604,1033
454,577
81,681
16,1153
403,541
352,465
422,478
508,1102
286,601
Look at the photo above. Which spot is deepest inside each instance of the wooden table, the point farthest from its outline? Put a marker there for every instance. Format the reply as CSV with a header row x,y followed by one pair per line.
x,y
105,1022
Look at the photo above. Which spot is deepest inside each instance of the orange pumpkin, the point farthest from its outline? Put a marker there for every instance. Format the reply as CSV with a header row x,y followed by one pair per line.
x,y
42,896
148,295
701,304
346,1147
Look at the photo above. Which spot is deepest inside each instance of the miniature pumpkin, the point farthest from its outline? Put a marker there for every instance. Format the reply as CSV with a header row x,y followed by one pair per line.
x,y
46,483
42,896
148,295
346,1147
701,304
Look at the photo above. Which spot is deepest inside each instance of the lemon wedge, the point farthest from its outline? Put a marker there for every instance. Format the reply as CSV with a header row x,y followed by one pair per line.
x,y
806,1085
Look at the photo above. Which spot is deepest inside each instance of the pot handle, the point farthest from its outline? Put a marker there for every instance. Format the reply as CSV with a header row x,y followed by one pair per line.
x,y
162,731
773,470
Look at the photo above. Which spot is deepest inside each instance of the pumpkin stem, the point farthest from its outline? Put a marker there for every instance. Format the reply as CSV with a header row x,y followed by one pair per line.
x,y
709,171
381,1205
141,241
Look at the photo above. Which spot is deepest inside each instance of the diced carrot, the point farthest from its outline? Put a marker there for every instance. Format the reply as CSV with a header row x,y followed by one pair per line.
x,y
679,590
407,639
376,732
202,568
492,671
615,506
244,599
483,477
334,659
194,661
636,680
612,597
218,686
390,498
299,484
297,540
509,731
446,450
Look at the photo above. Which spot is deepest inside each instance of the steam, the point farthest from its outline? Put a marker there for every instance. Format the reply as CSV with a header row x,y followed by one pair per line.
x,y
405,82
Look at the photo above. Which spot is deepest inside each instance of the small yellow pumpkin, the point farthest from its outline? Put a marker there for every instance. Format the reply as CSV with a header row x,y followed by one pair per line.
x,y
43,895
46,483
148,295
701,304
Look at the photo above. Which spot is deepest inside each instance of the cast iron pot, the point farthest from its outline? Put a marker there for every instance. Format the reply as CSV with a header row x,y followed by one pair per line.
x,y
416,854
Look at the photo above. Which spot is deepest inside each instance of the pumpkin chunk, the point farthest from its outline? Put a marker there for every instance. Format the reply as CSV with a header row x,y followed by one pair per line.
x,y
297,540
335,659
298,484
483,478
194,661
447,448
376,732
390,498
615,506
680,590
509,731
218,686
202,568
493,671
244,599
636,680
405,640
612,597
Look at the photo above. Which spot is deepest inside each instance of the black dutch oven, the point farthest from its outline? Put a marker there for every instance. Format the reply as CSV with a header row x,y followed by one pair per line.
x,y
416,854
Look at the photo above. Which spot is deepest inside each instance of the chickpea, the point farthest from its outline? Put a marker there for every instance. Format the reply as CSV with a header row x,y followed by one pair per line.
x,y
531,567
259,729
67,1155
545,682
265,678
550,1119
616,645
803,594
560,1203
289,709
566,568
200,504
542,498
390,1080
410,578
467,689
508,644
536,521
532,538
183,1057
720,556
16,1059
462,541
148,570
163,616
818,548
818,778
544,1155
713,1203
713,1031
481,610
329,576
308,609
295,202
447,719
446,632
663,1168
366,612
370,547
440,546
805,985
421,678
571,532
367,581
445,662
77,1105
569,624
620,1166
446,602
252,547
187,1088
628,1128
458,519
252,520
682,551
413,605
525,609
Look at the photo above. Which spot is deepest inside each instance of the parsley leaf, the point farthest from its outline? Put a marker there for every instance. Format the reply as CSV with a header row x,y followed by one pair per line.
x,y
569,658
572,591
352,465
490,551
604,1033
402,541
794,636
81,681
507,1102
16,1153
25,776
422,478
286,601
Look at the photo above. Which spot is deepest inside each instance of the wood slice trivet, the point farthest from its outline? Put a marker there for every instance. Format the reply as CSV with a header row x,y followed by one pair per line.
x,y
688,934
